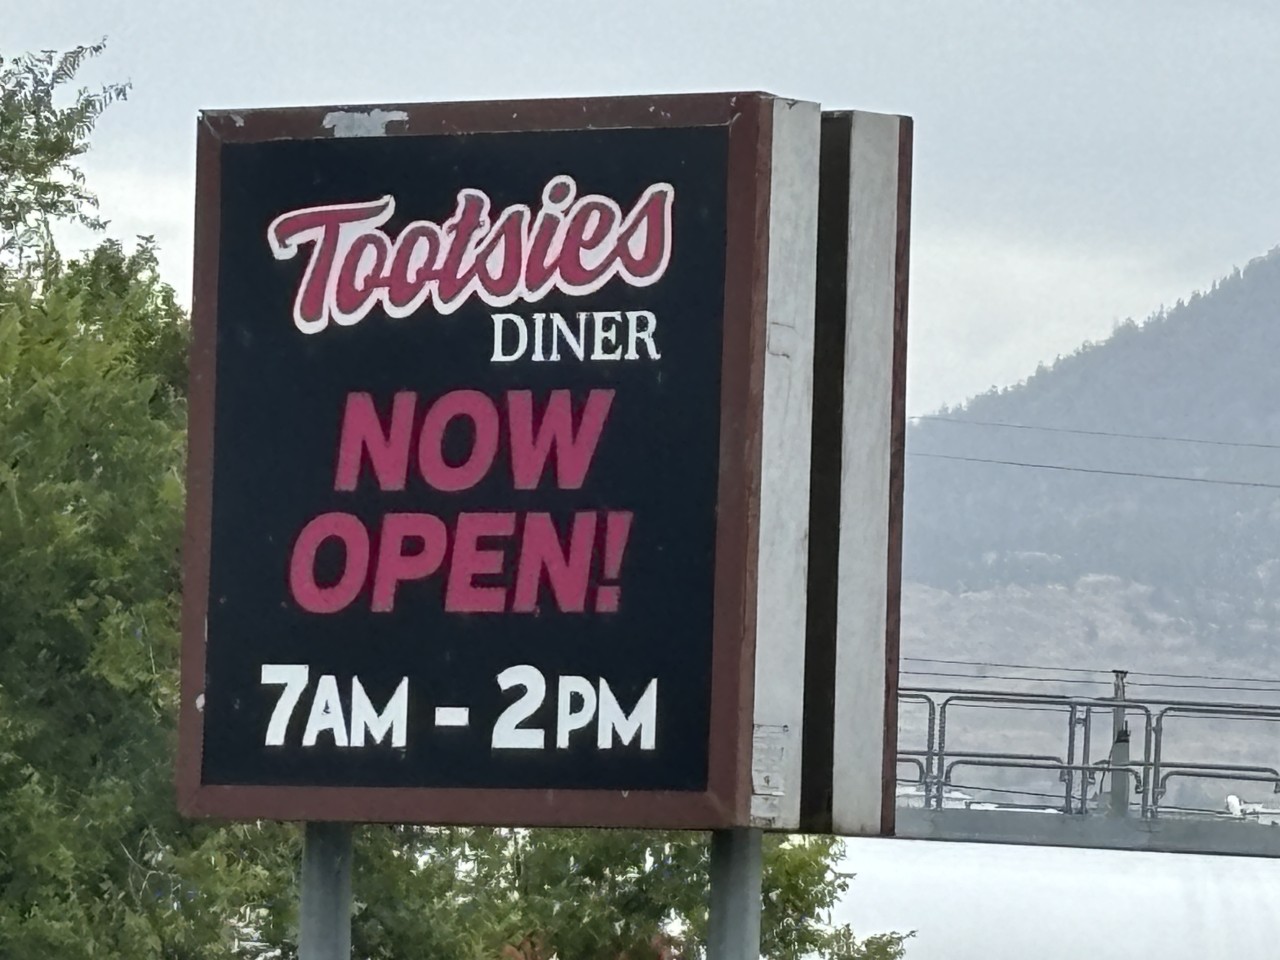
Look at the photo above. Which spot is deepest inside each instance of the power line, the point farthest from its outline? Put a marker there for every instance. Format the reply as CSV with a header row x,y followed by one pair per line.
x,y
1109,473
1008,666
1017,679
1058,708
1250,717
1201,686
996,676
1131,673
1100,433
1201,676
1049,707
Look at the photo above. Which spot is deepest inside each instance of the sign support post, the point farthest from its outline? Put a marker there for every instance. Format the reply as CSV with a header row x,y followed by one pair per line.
x,y
737,867
325,929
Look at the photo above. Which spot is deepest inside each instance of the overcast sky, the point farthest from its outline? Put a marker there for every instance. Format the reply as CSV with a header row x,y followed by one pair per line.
x,y
1076,163
987,902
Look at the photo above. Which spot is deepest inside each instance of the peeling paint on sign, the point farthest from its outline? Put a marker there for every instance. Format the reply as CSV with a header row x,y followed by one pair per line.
x,y
362,123
768,759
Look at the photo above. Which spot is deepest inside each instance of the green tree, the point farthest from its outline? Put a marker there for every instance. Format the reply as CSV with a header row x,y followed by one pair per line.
x,y
585,894
94,861
39,142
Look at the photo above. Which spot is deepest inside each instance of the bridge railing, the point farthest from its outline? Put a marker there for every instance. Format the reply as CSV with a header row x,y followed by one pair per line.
x,y
1078,764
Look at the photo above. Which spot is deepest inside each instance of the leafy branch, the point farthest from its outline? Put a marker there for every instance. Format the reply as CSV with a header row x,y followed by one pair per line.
x,y
39,142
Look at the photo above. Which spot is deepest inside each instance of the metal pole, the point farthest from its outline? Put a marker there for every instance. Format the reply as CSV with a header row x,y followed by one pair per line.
x,y
1119,751
736,868
1120,784
1086,776
1117,713
1068,772
325,932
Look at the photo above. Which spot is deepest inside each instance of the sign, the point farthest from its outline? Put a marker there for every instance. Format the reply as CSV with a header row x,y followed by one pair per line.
x,y
499,464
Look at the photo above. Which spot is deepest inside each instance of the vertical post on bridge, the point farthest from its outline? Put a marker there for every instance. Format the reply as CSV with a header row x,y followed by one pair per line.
x,y
1119,806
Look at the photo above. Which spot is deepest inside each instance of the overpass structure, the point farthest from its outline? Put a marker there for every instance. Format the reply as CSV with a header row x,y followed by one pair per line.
x,y
1021,766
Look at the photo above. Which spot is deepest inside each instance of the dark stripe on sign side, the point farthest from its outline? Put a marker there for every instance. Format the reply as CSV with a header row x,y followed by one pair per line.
x,y
897,444
830,307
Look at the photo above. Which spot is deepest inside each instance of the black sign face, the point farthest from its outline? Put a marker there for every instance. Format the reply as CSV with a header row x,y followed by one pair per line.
x,y
474,449
466,435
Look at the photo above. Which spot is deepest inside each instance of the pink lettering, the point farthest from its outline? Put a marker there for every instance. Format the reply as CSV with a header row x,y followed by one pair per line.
x,y
567,571
531,448
593,223
462,595
395,566
483,415
572,244
362,434
329,229
309,594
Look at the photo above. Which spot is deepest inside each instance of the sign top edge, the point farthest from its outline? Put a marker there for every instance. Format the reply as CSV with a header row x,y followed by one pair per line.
x,y
479,116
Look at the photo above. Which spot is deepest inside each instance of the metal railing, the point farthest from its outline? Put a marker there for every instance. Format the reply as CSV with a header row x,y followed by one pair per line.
x,y
1077,768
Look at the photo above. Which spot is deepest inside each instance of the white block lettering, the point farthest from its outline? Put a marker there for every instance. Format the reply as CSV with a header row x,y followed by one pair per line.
x,y
370,726
560,328
538,355
326,714
642,720
636,333
607,335
294,678
522,338
453,716
507,732
567,718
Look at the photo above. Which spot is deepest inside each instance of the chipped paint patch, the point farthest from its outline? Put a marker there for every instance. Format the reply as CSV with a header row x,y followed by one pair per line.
x,y
362,123
769,744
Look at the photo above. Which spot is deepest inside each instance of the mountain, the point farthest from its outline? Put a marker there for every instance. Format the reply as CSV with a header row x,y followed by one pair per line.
x,y
1120,508
1209,551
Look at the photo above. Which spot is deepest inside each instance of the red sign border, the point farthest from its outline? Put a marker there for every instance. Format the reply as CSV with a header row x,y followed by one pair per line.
x,y
726,800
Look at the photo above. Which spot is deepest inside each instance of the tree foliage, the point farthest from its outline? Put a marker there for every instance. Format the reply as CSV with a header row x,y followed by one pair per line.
x,y
94,861
39,141
534,895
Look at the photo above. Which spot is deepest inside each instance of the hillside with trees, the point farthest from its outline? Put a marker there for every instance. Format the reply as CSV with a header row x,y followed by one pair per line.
x,y
1083,485
1119,509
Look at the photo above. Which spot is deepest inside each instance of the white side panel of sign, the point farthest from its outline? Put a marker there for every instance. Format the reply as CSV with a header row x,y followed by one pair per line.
x,y
784,484
861,607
